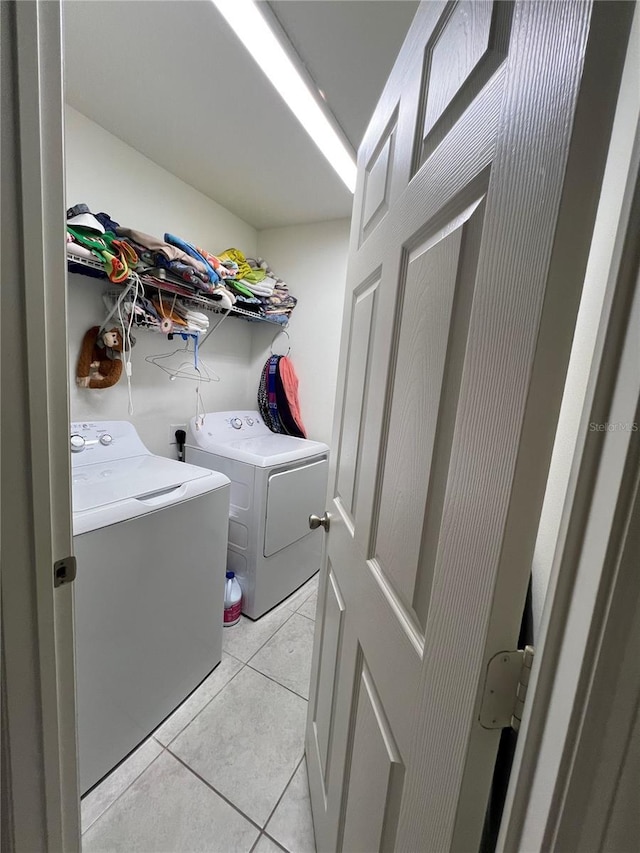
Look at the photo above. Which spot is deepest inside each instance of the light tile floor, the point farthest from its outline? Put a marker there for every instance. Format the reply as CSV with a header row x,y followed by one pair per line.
x,y
226,771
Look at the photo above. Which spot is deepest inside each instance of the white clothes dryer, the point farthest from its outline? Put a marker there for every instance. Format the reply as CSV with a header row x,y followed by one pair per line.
x,y
150,538
277,481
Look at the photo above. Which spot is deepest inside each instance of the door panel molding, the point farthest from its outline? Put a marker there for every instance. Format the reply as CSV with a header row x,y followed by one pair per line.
x,y
360,342
377,180
490,26
372,789
447,410
333,611
405,616
424,345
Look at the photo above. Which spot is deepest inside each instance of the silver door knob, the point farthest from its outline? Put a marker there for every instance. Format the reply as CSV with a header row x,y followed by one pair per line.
x,y
315,521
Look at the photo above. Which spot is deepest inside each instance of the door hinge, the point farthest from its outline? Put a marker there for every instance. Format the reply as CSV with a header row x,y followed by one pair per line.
x,y
64,571
505,689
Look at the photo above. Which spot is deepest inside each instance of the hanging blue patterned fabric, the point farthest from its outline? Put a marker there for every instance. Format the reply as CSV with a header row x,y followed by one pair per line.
x,y
276,424
263,398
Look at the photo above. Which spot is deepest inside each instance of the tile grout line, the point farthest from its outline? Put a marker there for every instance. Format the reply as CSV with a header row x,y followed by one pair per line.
x,y
264,834
307,597
255,843
215,696
275,681
277,843
215,791
271,837
291,612
280,798
268,640
124,791
280,846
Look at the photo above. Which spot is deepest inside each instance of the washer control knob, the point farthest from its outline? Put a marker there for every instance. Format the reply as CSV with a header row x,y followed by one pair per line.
x,y
106,439
236,423
249,421
77,443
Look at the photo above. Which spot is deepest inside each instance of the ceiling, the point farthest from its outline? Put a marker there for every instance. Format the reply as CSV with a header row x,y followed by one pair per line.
x,y
172,80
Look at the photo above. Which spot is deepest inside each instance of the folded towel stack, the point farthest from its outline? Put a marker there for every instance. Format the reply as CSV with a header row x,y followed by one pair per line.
x,y
196,321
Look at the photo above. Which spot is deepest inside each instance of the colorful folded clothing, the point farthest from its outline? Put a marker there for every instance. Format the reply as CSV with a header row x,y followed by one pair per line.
x,y
191,250
239,288
227,269
256,289
166,250
238,258
179,267
116,255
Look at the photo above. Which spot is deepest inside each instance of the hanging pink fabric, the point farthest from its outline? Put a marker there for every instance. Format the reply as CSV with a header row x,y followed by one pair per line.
x,y
290,384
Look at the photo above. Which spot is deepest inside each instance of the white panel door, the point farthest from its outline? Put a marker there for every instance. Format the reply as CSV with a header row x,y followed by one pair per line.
x,y
472,217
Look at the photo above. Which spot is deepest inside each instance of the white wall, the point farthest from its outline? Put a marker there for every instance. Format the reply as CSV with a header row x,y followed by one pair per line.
x,y
312,259
109,176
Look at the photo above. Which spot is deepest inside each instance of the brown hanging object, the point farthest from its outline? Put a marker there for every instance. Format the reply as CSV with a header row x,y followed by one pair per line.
x,y
98,363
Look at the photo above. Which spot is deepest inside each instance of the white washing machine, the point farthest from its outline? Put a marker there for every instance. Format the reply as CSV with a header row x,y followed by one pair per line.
x,y
150,538
277,481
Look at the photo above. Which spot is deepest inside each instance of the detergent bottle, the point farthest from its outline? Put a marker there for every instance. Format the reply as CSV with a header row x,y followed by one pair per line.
x,y
232,600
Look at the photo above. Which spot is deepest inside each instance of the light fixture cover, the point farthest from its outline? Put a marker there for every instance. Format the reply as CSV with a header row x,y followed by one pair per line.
x,y
253,30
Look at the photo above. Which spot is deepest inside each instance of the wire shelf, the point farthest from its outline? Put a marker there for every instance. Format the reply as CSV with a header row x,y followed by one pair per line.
x,y
174,289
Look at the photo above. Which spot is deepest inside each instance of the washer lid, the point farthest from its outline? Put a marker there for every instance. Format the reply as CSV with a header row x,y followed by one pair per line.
x,y
105,483
109,492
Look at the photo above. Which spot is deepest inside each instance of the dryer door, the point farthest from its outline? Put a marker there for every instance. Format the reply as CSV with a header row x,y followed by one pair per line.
x,y
292,496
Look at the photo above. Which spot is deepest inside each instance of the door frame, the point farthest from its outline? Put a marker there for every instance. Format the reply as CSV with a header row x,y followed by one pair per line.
x,y
571,721
39,768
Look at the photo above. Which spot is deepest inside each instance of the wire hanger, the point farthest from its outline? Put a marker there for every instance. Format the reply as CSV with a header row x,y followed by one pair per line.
x,y
277,335
185,362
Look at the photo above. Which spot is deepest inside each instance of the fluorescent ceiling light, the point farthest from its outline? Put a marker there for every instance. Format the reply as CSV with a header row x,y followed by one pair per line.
x,y
244,17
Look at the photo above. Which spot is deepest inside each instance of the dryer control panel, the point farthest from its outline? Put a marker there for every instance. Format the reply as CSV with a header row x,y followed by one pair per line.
x,y
251,422
223,426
